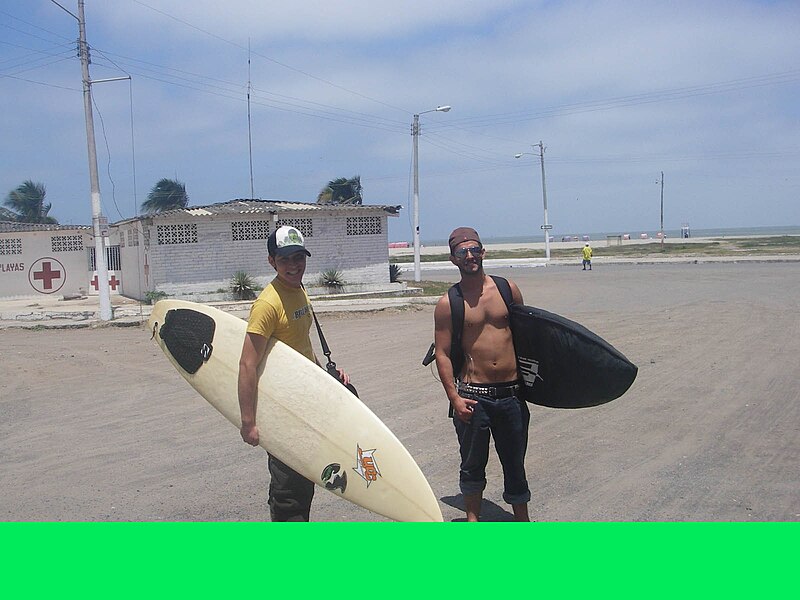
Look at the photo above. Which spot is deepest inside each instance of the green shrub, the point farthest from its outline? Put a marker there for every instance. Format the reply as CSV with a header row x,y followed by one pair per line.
x,y
154,296
332,279
243,287
394,273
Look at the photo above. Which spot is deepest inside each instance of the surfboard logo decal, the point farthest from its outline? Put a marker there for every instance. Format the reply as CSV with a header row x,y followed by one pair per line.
x,y
529,368
333,478
366,467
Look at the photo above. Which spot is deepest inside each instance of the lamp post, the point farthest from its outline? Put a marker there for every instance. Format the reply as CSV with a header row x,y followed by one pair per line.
x,y
546,227
662,211
415,153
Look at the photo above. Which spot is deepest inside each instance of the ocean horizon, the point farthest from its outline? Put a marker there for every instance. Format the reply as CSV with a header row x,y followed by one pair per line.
x,y
635,234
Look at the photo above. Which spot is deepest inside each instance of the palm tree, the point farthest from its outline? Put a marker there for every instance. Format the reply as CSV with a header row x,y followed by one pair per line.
x,y
27,205
167,194
342,191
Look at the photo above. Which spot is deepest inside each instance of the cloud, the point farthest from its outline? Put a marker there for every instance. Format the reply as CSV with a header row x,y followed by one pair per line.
x,y
617,91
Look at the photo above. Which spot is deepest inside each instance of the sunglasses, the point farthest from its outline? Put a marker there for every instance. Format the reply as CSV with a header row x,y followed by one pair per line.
x,y
462,252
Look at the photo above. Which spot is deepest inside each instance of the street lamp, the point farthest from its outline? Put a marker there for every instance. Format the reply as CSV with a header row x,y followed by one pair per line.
x,y
546,227
662,209
415,152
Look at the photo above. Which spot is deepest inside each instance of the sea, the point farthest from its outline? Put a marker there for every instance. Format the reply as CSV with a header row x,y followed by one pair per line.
x,y
634,234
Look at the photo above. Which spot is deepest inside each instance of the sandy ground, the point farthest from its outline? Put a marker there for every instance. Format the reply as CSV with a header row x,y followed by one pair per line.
x,y
96,425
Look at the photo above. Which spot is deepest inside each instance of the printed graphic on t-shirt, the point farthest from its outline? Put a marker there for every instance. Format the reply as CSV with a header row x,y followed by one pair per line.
x,y
301,312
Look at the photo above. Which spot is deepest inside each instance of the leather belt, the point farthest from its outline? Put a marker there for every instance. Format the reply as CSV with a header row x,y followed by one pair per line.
x,y
493,391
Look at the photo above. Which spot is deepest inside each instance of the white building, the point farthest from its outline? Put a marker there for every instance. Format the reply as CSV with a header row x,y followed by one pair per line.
x,y
58,260
194,252
197,250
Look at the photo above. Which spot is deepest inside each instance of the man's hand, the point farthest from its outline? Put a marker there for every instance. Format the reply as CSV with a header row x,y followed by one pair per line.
x,y
462,407
250,433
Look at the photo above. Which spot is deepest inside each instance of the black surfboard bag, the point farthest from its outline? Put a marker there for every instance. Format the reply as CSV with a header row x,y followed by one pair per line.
x,y
562,364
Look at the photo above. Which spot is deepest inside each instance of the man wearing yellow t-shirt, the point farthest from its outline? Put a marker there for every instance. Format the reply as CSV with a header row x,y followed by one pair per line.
x,y
587,257
283,311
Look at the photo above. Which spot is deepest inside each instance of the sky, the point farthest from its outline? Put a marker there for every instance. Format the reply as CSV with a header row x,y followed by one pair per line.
x,y
705,92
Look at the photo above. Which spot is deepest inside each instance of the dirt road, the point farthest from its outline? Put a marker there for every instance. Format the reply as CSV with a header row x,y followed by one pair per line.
x,y
96,425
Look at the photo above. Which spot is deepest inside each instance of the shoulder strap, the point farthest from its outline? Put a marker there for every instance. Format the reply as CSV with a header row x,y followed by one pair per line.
x,y
457,320
456,298
504,289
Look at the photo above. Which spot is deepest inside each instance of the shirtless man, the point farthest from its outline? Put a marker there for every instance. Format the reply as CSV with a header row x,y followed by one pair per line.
x,y
484,395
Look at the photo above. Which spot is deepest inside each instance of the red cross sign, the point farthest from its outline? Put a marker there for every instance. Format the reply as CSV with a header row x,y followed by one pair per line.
x,y
113,282
47,275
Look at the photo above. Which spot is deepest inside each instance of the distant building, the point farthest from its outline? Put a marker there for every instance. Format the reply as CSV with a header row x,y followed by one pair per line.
x,y
196,250
38,259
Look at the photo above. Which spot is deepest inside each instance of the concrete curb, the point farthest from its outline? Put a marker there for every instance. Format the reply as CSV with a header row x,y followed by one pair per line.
x,y
41,314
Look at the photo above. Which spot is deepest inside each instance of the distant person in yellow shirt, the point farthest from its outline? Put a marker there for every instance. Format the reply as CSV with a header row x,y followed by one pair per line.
x,y
587,257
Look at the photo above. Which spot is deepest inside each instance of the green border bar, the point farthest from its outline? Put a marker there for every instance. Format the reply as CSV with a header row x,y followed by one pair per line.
x,y
590,560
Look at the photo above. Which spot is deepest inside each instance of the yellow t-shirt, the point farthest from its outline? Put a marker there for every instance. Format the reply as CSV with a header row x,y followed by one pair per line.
x,y
587,253
284,313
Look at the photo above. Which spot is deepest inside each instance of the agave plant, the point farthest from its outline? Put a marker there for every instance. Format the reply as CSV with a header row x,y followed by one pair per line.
x,y
332,279
243,287
394,272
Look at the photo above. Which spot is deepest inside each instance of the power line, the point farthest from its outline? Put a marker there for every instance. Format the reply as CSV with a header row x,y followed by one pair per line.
x,y
270,59
624,101
60,87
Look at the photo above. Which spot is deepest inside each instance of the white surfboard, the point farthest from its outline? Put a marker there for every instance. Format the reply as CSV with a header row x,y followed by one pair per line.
x,y
306,418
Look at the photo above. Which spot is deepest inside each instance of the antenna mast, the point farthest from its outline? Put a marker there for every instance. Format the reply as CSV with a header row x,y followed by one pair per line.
x,y
249,135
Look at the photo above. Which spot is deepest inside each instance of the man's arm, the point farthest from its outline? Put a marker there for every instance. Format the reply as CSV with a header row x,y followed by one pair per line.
x,y
253,351
516,295
443,328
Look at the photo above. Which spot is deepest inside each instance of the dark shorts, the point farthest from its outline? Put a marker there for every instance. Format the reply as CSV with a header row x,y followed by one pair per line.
x,y
506,420
290,493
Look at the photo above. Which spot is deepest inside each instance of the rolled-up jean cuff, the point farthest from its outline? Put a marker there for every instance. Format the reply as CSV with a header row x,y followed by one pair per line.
x,y
471,488
517,498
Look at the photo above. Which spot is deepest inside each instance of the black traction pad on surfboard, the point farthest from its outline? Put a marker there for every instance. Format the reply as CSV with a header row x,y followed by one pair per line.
x,y
188,335
563,364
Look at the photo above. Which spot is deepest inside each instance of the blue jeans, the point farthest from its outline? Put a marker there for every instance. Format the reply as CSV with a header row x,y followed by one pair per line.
x,y
505,419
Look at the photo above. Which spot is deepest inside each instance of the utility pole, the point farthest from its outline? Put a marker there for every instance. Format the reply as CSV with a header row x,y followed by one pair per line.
x,y
415,167
99,224
415,164
546,226
662,211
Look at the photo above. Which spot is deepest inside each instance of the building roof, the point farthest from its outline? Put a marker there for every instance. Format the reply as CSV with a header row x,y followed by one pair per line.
x,y
246,207
16,226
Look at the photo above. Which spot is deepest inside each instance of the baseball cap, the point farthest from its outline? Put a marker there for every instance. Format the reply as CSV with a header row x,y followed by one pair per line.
x,y
286,240
463,234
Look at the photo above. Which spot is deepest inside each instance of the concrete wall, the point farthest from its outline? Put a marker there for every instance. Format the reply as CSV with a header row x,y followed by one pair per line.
x,y
132,254
35,263
181,252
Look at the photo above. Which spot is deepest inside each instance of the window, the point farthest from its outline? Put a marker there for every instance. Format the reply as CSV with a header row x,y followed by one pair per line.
x,y
303,225
182,233
249,230
364,226
66,243
113,260
11,246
